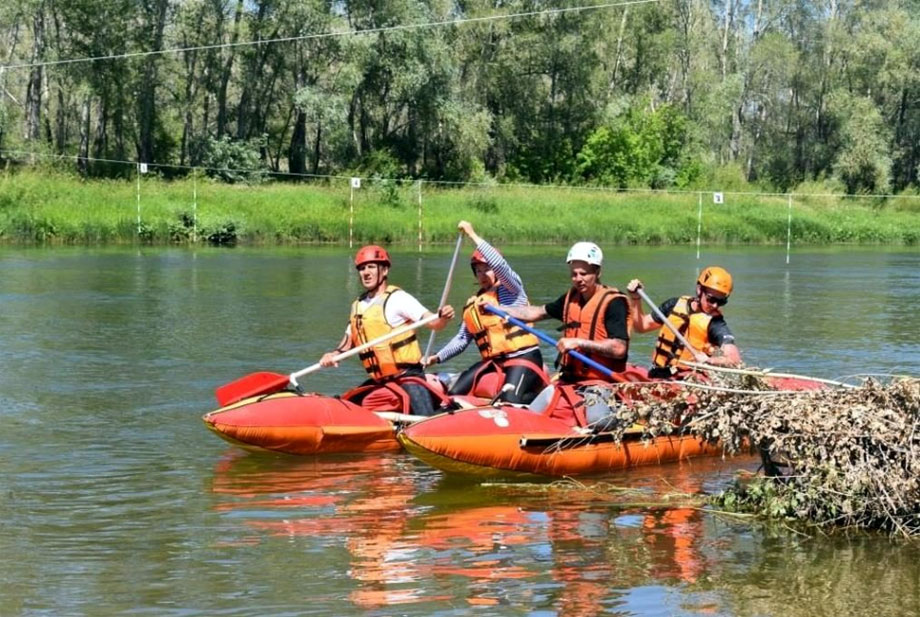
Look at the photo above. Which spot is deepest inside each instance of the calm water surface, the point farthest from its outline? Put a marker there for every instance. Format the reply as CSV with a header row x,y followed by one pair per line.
x,y
115,500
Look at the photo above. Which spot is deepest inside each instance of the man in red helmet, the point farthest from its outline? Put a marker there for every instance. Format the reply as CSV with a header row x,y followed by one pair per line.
x,y
382,308
698,318
506,350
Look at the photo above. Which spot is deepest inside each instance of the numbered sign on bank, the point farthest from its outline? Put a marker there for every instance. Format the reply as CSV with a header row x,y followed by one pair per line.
x,y
356,183
717,198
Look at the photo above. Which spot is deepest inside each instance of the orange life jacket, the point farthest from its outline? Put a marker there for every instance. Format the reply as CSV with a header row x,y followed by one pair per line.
x,y
388,358
494,336
588,322
694,325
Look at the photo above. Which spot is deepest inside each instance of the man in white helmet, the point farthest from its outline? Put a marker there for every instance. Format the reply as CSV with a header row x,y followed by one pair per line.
x,y
595,318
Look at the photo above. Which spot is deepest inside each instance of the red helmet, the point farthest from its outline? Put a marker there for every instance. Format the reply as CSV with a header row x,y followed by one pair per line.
x,y
477,258
372,254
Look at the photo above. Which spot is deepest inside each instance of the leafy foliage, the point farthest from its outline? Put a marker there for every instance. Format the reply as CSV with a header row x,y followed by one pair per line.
x,y
659,95
641,148
862,163
234,161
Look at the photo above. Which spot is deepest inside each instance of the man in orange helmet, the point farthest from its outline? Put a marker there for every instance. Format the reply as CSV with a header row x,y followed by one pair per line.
x,y
698,318
396,363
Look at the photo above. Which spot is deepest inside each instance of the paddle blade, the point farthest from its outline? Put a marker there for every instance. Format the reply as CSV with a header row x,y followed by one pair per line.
x,y
253,384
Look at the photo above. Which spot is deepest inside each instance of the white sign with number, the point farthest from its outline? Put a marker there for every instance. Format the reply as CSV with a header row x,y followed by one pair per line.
x,y
356,183
143,168
717,198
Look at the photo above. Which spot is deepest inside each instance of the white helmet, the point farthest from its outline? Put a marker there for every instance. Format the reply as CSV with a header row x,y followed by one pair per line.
x,y
585,251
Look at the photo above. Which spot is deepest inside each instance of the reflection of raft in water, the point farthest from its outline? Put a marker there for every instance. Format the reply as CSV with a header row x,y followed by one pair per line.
x,y
302,424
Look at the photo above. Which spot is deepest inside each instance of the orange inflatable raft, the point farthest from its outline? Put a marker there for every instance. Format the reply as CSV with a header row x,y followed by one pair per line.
x,y
509,441
297,423
302,424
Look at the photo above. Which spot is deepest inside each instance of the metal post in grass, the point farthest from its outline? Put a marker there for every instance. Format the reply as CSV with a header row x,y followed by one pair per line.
x,y
194,205
420,215
699,224
355,183
788,227
141,169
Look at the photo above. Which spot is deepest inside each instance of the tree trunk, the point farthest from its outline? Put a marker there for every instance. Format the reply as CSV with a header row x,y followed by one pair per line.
x,y
33,111
60,120
226,71
735,141
616,61
63,89
727,26
118,123
191,91
758,20
297,155
100,141
316,147
749,169
147,117
82,162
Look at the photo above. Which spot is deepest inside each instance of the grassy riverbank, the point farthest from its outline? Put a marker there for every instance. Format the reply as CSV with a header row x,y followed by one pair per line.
x,y
60,208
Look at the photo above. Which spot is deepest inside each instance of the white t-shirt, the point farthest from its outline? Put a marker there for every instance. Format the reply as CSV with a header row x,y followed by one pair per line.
x,y
401,308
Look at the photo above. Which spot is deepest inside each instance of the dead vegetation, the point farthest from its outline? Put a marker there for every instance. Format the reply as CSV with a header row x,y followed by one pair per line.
x,y
834,457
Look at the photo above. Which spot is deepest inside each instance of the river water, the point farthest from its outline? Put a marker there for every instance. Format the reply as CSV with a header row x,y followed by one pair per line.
x,y
115,499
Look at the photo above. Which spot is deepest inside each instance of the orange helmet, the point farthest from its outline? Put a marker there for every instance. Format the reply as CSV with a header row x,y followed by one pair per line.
x,y
372,254
717,279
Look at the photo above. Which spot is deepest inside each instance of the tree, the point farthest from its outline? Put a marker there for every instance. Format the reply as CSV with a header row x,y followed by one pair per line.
x,y
643,147
863,162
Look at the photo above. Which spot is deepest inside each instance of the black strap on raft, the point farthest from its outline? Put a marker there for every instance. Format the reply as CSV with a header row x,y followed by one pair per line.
x,y
574,441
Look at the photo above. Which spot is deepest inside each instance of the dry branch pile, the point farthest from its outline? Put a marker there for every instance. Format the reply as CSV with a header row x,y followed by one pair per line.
x,y
834,457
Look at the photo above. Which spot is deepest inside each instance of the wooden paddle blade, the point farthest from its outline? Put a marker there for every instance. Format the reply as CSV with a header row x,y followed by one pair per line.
x,y
253,384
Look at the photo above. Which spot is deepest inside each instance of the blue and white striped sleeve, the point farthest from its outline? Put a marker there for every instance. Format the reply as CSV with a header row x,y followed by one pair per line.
x,y
456,345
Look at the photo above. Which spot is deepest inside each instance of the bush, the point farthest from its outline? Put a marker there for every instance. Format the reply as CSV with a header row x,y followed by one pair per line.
x,y
235,161
639,148
484,204
224,234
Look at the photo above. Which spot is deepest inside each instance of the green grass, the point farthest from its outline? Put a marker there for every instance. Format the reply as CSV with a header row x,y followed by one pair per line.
x,y
59,208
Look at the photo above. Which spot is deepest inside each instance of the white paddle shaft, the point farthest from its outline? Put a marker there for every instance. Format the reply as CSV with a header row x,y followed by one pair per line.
x,y
356,350
666,321
446,292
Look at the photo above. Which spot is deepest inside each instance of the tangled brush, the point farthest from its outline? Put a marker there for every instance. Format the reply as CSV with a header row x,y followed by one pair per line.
x,y
833,456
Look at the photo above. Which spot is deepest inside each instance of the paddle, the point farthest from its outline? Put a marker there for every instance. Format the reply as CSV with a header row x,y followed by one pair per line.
x,y
550,340
723,369
395,416
766,373
667,322
444,294
255,384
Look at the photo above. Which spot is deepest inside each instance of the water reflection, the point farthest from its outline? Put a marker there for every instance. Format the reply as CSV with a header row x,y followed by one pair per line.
x,y
415,539
115,492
